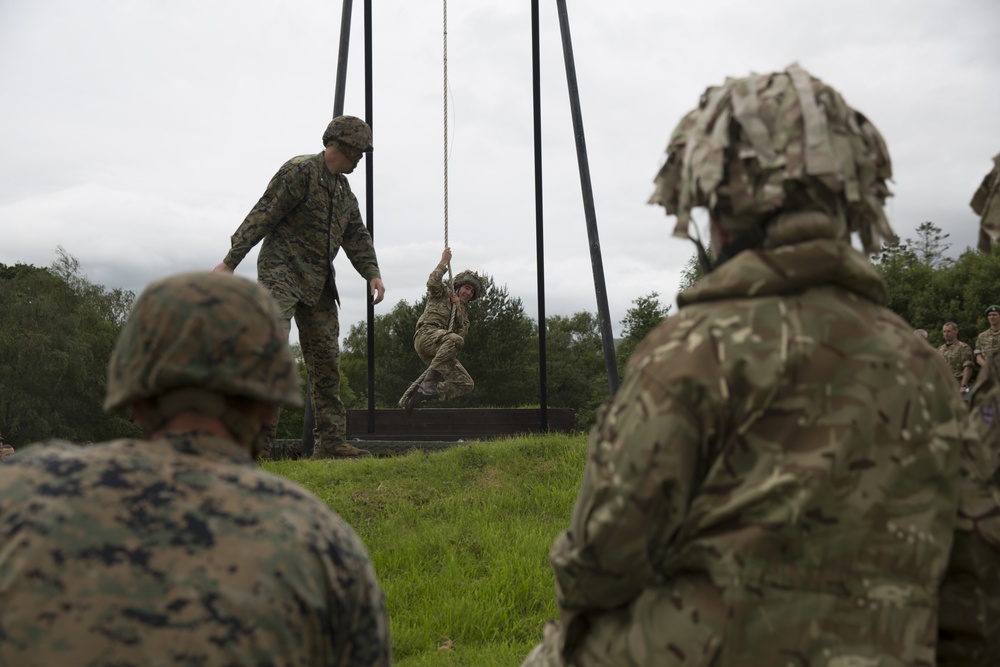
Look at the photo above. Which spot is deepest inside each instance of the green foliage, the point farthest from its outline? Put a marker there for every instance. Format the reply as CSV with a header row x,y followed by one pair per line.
x,y
693,271
291,419
930,246
56,337
645,314
459,540
500,353
575,374
928,289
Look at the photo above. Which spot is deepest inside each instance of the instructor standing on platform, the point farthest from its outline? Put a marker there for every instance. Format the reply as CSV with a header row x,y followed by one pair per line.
x,y
306,215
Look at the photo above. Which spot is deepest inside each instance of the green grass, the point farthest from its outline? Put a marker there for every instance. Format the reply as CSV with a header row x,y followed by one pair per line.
x,y
459,539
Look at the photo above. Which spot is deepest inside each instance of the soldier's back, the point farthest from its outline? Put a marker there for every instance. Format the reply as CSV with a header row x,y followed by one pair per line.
x,y
177,553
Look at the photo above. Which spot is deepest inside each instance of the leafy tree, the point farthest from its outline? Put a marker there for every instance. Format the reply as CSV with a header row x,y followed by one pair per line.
x,y
396,364
291,419
56,337
693,270
930,246
645,314
500,353
575,374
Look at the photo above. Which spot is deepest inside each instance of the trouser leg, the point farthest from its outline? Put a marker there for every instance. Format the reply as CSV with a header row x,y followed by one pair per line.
x,y
319,331
439,350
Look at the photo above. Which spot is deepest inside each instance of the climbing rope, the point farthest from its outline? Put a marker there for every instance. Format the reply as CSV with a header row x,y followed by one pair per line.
x,y
444,51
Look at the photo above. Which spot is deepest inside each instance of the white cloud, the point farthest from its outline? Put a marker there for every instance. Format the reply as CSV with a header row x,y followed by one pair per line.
x,y
138,134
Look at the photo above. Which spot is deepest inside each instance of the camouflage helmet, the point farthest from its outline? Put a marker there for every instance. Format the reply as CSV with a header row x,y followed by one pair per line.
x,y
472,279
210,332
986,204
350,130
771,147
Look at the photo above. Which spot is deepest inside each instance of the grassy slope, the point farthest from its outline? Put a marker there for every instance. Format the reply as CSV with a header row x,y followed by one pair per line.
x,y
460,540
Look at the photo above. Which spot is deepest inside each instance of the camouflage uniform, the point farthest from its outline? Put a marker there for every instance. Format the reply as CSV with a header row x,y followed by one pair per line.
x,y
305,217
177,552
774,483
958,356
987,342
438,339
969,634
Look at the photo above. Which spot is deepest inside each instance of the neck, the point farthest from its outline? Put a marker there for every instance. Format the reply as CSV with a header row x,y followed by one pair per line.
x,y
195,421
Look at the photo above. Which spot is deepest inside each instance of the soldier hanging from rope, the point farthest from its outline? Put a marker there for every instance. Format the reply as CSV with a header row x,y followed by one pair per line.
x,y
440,336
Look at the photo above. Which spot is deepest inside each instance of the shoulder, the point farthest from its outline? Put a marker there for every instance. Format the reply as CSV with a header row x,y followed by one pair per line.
x,y
300,165
303,518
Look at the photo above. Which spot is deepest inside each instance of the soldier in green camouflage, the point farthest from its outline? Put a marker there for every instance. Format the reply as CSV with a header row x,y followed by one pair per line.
x,y
305,217
440,336
177,549
958,356
988,342
775,481
969,634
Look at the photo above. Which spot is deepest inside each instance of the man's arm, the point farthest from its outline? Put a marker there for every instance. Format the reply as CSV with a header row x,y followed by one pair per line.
x,y
641,467
283,193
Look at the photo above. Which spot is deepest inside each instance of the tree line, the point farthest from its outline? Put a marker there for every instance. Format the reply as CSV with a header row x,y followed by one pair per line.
x,y
58,329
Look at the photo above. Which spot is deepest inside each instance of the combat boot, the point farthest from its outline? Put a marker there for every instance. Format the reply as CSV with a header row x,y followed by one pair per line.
x,y
344,450
413,400
429,385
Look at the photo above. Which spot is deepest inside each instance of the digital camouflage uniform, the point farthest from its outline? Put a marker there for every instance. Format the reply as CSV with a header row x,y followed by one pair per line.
x,y
775,482
305,217
970,595
179,550
438,339
958,356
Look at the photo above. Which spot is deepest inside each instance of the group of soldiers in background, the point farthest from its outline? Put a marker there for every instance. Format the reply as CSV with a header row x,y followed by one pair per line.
x,y
786,475
964,360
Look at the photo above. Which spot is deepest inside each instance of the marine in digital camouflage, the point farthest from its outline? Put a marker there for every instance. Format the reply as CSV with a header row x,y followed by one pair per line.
x,y
775,481
178,550
305,217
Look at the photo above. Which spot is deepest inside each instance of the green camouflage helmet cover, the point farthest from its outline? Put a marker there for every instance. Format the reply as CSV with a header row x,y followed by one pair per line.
x,y
350,130
986,204
772,144
473,279
212,332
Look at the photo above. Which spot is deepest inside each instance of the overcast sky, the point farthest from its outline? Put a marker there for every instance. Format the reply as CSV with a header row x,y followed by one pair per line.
x,y
137,134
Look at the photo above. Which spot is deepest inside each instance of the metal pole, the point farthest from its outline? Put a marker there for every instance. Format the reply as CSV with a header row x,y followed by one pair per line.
x,y
370,213
588,203
536,90
308,416
345,42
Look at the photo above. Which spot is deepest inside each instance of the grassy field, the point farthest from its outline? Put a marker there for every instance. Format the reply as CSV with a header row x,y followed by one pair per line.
x,y
459,539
